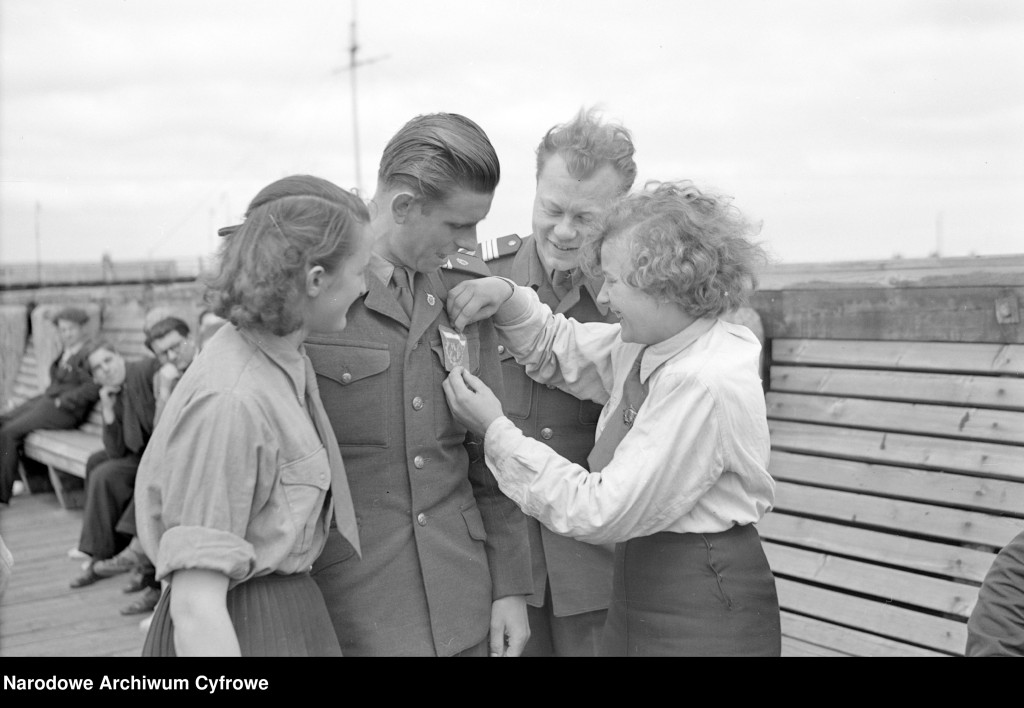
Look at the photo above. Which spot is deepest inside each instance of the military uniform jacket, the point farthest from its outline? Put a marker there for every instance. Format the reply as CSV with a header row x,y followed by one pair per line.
x,y
72,383
440,541
134,411
579,573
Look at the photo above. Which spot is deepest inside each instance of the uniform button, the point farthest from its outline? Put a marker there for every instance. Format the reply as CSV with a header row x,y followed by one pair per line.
x,y
421,519
547,433
501,348
418,461
417,403
346,378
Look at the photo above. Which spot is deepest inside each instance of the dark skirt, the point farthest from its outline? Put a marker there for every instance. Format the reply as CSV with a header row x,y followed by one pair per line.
x,y
690,594
273,615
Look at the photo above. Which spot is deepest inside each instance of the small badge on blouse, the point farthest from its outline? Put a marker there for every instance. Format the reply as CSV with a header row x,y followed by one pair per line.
x,y
431,299
628,416
454,345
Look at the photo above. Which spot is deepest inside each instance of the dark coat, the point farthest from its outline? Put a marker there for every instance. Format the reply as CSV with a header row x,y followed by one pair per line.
x,y
73,385
580,574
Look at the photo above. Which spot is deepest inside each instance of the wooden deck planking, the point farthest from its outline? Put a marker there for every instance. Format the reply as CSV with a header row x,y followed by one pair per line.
x,y
40,615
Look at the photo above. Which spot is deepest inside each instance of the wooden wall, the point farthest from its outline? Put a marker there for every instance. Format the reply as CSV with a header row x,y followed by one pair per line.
x,y
938,300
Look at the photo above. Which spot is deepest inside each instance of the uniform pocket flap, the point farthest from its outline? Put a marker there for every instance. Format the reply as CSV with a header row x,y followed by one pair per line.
x,y
347,364
313,470
475,523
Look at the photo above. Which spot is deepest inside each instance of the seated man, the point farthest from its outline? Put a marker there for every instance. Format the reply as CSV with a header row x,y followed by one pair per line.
x,y
128,408
170,341
996,625
64,404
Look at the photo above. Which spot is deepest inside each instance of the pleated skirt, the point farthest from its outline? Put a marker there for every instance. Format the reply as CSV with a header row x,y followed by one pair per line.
x,y
689,594
273,615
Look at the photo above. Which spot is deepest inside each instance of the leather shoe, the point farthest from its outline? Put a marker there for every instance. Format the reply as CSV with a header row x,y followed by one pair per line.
x,y
89,577
146,603
138,582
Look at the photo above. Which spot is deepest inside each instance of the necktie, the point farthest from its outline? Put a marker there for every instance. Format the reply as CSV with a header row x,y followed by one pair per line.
x,y
561,282
401,283
344,512
633,395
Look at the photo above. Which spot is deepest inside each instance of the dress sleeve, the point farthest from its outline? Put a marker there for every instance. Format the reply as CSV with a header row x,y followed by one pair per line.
x,y
553,349
212,453
670,457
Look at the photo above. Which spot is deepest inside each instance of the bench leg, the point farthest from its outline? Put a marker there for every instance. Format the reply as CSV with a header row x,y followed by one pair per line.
x,y
24,478
70,497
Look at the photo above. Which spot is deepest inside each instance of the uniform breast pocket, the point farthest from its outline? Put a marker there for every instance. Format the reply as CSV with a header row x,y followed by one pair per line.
x,y
518,388
472,350
305,483
353,381
445,425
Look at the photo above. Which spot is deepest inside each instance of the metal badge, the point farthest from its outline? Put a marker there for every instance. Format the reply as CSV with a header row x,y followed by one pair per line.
x,y
454,346
628,416
430,299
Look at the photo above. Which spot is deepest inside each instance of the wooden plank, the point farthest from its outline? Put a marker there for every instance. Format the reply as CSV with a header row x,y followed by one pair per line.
x,y
871,617
896,273
918,314
977,493
956,389
939,558
888,584
40,615
1003,359
924,520
926,452
895,416
813,637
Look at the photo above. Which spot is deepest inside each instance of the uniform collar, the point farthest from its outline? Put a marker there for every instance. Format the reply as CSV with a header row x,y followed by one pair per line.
x,y
528,269
658,354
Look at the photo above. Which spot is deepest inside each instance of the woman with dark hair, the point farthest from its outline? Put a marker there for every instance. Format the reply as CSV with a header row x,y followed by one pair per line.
x,y
236,491
679,472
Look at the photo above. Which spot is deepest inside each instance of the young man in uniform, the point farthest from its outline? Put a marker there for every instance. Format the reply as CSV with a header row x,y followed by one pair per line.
x,y
582,167
445,556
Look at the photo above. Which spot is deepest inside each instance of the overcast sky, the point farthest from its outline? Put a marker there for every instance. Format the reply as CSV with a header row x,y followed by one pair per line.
x,y
854,130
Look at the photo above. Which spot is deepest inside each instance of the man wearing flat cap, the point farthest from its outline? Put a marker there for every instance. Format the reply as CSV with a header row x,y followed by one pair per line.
x,y
65,403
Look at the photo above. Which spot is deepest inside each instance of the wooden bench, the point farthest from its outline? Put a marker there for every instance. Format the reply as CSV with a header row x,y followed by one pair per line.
x,y
898,454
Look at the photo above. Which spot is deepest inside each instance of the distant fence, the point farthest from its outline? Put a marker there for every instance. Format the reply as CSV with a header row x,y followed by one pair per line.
x,y
31,275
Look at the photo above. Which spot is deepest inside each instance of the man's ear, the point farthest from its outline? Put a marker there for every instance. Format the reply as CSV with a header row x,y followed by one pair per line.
x,y
401,205
315,280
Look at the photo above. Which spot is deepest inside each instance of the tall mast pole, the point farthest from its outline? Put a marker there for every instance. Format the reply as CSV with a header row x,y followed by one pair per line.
x,y
352,63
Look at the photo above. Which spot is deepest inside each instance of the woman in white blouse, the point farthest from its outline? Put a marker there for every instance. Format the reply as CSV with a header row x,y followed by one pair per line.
x,y
679,471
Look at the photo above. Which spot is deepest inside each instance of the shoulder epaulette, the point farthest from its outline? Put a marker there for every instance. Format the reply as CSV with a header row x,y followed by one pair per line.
x,y
498,247
463,262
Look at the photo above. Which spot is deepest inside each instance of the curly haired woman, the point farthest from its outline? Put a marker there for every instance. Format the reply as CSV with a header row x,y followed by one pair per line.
x,y
678,476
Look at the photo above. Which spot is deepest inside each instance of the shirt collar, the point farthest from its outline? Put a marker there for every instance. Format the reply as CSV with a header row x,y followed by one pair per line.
x,y
381,267
658,354
283,354
72,350
530,271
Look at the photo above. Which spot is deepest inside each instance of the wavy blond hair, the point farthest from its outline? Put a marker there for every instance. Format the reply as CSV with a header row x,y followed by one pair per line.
x,y
684,245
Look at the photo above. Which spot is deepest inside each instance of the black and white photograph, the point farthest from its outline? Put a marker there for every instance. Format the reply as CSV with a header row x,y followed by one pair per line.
x,y
514,329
